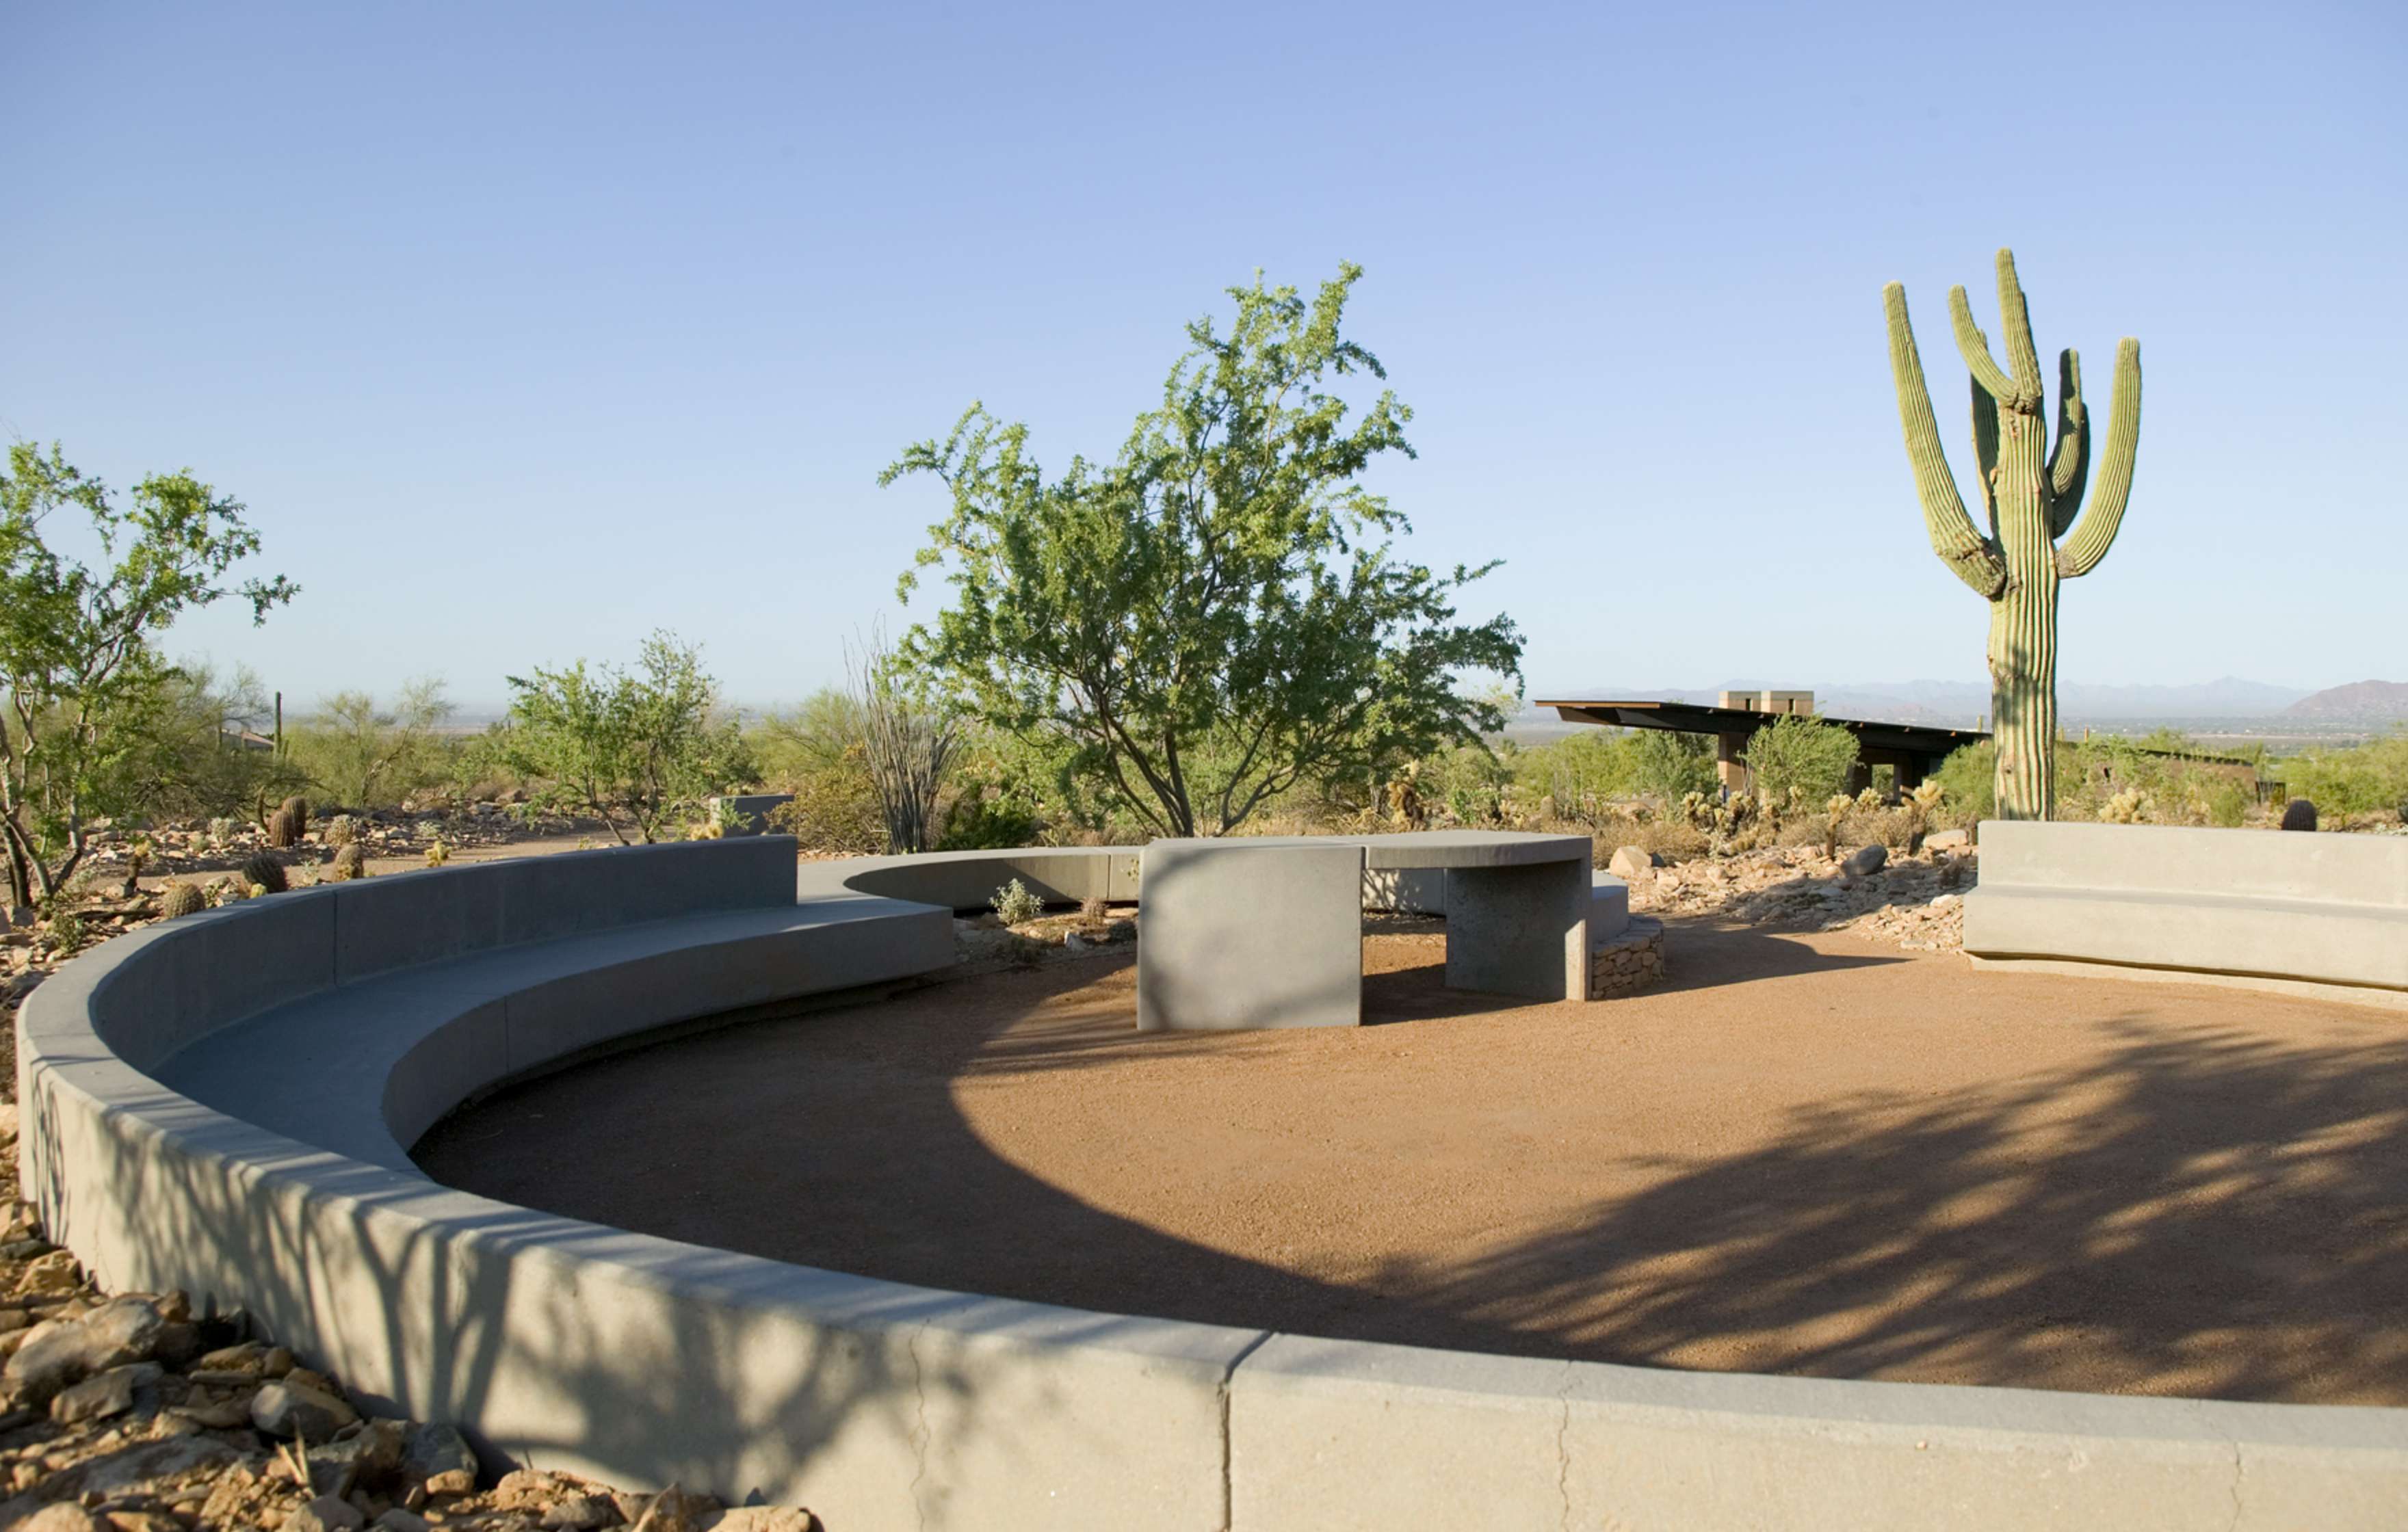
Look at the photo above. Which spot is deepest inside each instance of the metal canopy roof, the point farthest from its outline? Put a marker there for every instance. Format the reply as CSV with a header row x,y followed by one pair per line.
x,y
1699,718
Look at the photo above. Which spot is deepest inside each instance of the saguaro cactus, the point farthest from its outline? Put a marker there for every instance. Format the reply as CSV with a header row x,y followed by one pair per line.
x,y
2034,496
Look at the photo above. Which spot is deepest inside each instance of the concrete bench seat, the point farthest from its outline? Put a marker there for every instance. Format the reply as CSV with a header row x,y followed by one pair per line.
x,y
2264,904
365,1068
217,1104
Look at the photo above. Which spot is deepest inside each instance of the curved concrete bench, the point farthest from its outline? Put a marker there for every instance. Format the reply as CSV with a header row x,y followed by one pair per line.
x,y
642,1360
2262,903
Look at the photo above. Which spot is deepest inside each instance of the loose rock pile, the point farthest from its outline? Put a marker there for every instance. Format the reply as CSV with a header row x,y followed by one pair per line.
x,y
132,1413
1915,902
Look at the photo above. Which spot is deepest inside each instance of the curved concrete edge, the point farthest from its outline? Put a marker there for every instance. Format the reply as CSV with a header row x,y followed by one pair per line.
x,y
635,1359
641,1360
1329,1434
2327,909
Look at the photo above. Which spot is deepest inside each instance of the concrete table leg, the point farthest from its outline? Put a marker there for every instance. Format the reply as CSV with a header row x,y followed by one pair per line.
x,y
1519,930
1234,935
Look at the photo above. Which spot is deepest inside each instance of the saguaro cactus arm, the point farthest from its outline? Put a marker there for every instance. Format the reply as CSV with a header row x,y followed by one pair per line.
x,y
1975,348
1953,536
2015,317
2091,537
2069,466
1986,452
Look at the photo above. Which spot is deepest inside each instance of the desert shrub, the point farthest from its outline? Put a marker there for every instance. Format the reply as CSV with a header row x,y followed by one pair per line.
x,y
2368,779
2227,803
366,755
1014,904
1800,759
222,832
1588,774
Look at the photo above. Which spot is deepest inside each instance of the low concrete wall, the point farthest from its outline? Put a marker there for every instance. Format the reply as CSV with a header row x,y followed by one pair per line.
x,y
2332,909
642,1360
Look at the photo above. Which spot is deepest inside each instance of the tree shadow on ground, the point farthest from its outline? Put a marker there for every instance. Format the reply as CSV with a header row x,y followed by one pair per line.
x,y
2192,1209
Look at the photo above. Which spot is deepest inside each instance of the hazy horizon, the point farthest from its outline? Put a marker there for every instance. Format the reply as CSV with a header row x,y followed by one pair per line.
x,y
523,331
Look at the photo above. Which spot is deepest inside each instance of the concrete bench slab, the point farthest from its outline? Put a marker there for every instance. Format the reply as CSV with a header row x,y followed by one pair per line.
x,y
1249,933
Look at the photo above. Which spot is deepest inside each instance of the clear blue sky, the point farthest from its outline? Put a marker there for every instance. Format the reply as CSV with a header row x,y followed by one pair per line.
x,y
523,329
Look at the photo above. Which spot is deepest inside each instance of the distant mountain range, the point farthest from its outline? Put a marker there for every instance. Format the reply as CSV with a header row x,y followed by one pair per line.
x,y
1960,703
2360,702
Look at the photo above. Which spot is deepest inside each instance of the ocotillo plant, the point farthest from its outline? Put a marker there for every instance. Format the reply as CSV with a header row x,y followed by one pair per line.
x,y
2034,495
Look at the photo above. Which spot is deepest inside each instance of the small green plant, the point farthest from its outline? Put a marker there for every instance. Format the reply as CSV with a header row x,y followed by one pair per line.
x,y
63,933
224,832
341,830
437,852
176,900
1014,905
262,872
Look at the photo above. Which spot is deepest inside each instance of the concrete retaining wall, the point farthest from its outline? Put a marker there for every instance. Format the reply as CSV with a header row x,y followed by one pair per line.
x,y
2332,909
642,1360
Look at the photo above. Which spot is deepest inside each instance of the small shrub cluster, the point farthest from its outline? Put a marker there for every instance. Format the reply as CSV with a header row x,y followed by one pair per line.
x,y
1015,904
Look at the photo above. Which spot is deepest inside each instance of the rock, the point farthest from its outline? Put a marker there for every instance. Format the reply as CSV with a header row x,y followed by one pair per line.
x,y
675,1510
242,1358
1947,840
398,1520
1946,901
284,1410
528,1489
60,1518
1632,862
325,1514
52,1273
104,1394
276,1360
62,1351
765,1519
582,1513
439,1457
372,1457
1867,860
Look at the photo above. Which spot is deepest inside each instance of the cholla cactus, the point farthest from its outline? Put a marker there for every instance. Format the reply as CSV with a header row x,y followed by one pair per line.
x,y
177,900
2034,495
1836,809
1919,805
2129,807
438,853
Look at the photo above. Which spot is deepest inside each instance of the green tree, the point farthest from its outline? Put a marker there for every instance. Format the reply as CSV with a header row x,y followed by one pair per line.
x,y
365,756
634,748
87,690
1800,759
1219,613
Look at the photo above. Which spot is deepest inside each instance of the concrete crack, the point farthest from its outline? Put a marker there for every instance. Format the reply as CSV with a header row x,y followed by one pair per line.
x,y
1563,1449
2239,1471
919,1427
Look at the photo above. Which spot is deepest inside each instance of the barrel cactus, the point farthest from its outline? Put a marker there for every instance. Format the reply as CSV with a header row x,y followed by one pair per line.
x,y
2034,496
177,900
2298,815
282,831
341,830
262,872
350,861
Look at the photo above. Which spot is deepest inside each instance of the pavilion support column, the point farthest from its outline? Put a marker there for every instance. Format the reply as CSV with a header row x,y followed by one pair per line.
x,y
1731,763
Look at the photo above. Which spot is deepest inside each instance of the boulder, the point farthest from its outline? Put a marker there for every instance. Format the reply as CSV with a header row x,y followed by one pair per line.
x,y
1866,860
64,1517
284,1410
58,1353
1631,861
1946,840
102,1394
439,1458
326,1514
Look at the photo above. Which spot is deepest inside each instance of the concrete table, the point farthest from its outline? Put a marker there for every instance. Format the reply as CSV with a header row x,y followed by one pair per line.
x,y
1267,931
